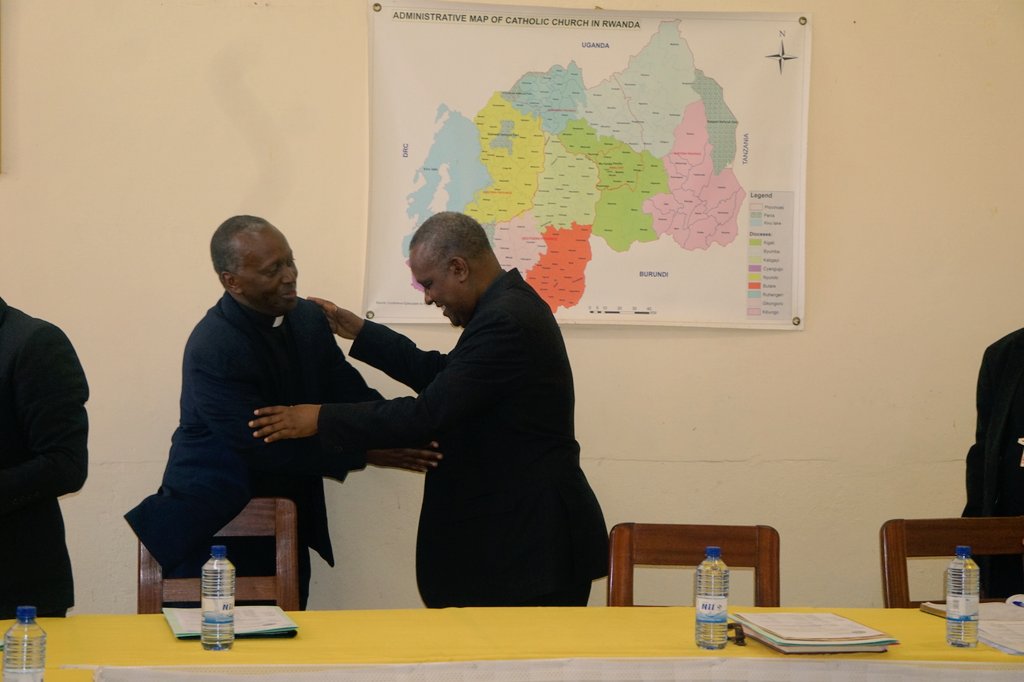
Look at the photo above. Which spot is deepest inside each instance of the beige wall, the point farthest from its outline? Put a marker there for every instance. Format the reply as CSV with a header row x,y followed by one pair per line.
x,y
131,128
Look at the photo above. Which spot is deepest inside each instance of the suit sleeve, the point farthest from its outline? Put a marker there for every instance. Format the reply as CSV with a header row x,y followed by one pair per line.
x,y
486,366
51,392
397,356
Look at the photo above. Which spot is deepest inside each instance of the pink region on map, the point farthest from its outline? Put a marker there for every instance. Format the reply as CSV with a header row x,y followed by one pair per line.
x,y
700,208
519,243
558,276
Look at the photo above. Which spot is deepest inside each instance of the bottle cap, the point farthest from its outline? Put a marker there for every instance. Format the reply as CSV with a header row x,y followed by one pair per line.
x,y
963,550
713,552
25,614
218,551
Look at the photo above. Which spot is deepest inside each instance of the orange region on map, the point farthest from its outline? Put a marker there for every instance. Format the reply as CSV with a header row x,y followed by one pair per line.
x,y
558,275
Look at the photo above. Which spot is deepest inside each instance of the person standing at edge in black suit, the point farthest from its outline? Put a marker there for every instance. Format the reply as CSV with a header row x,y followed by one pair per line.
x,y
44,431
260,343
995,463
510,519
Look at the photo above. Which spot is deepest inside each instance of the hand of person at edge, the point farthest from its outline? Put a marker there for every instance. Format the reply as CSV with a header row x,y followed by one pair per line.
x,y
410,459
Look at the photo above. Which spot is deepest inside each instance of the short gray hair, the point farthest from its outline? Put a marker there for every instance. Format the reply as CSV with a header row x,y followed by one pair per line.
x,y
448,234
223,250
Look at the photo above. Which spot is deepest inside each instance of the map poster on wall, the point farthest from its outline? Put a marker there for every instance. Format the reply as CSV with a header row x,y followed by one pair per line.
x,y
636,167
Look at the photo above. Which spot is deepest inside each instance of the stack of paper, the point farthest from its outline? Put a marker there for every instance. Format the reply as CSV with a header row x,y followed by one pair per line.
x,y
812,633
250,621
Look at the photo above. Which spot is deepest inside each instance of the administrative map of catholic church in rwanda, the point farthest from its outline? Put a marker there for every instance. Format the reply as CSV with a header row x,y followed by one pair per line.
x,y
635,167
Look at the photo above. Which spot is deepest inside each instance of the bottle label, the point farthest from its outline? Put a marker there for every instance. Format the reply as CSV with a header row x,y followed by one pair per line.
x,y
712,609
218,610
962,608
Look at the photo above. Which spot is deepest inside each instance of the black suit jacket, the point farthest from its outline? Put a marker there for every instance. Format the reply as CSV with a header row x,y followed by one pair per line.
x,y
1002,369
215,465
508,514
999,382
43,455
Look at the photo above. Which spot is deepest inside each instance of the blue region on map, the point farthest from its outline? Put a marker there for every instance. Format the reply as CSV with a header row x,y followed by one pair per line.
x,y
456,145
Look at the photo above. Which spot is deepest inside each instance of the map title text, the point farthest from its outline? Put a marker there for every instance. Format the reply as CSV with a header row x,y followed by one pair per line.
x,y
513,20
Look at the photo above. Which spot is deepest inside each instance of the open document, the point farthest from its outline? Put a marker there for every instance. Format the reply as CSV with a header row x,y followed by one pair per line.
x,y
987,610
250,621
1005,635
1000,624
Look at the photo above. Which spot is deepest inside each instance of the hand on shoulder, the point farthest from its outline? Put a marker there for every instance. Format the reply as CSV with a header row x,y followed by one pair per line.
x,y
344,323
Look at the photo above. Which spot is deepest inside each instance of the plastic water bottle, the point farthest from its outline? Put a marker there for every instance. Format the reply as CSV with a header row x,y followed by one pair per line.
x,y
712,600
218,590
962,586
24,648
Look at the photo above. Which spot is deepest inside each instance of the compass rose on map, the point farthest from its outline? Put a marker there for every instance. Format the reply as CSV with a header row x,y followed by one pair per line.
x,y
781,56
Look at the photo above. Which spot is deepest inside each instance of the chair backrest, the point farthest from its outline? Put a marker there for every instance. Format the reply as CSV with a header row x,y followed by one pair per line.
x,y
661,544
905,538
263,516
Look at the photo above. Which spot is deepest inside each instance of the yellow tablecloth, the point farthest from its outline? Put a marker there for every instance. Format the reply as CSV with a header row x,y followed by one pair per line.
x,y
80,642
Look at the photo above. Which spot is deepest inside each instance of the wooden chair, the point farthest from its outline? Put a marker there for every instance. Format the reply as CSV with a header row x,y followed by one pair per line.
x,y
905,538
659,544
263,516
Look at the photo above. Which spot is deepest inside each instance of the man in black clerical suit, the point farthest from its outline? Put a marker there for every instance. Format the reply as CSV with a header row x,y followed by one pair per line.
x,y
995,463
44,431
509,519
260,344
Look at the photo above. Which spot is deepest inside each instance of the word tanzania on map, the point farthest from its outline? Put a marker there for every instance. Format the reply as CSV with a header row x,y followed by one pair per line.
x,y
634,167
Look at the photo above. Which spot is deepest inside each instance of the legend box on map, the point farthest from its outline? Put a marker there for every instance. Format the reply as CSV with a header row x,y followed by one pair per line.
x,y
769,245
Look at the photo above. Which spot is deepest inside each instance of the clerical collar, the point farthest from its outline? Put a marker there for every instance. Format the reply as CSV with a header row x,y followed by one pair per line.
x,y
262,320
